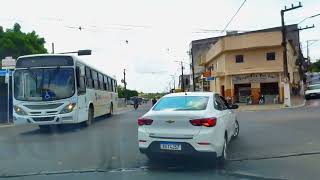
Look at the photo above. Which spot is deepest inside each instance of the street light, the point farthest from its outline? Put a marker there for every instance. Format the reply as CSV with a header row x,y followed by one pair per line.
x,y
308,45
79,52
309,18
174,81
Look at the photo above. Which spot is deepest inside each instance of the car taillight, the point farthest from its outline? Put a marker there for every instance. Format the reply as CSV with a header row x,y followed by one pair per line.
x,y
144,121
207,122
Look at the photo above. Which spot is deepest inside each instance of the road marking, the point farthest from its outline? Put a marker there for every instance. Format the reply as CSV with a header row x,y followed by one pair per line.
x,y
276,157
238,174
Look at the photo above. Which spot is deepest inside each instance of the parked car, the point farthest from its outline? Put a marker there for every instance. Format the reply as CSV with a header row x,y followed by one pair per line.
x,y
313,91
191,123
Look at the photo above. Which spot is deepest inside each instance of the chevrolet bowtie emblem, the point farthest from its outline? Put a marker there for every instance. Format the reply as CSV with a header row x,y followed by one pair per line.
x,y
170,121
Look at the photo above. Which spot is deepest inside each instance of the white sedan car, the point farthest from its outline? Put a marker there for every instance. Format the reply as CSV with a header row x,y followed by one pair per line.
x,y
190,123
313,91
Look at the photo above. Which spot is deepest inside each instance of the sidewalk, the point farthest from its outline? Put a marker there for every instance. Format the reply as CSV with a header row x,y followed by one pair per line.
x,y
5,125
120,110
296,101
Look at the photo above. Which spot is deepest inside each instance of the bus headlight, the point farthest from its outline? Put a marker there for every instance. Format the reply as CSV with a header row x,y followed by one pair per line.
x,y
69,108
19,110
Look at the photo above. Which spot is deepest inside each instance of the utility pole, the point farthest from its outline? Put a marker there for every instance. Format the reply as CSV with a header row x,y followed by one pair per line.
x,y
52,47
125,84
124,79
192,69
182,78
308,50
308,45
174,81
287,99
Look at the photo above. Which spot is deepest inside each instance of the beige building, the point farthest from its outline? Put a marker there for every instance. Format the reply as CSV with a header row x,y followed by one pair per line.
x,y
249,64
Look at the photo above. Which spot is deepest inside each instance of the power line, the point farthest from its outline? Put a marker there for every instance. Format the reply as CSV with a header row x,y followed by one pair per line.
x,y
203,31
312,43
233,16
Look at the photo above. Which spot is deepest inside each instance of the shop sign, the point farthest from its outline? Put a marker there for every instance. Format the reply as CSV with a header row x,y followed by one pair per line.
x,y
209,78
206,74
8,63
249,78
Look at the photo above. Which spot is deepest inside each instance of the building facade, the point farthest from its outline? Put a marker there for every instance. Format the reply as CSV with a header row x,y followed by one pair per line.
x,y
250,64
199,49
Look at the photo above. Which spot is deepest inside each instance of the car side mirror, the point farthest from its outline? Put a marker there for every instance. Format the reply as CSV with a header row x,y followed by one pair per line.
x,y
233,106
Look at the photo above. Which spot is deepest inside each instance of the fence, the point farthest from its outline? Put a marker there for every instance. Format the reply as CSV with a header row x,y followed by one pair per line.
x,y
121,102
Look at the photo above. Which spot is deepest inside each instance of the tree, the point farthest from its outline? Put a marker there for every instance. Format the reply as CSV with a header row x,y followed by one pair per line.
x,y
315,67
15,43
122,93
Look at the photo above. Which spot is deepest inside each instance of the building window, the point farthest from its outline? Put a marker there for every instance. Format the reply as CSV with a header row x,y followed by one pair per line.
x,y
271,56
239,58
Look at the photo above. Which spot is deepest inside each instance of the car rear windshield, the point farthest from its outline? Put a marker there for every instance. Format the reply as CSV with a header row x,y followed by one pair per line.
x,y
182,103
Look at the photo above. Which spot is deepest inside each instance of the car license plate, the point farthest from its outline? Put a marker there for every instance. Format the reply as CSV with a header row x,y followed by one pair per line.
x,y
170,146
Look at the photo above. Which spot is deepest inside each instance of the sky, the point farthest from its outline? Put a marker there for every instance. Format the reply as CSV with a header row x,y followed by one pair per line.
x,y
148,37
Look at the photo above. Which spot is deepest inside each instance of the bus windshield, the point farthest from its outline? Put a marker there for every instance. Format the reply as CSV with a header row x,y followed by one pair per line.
x,y
45,84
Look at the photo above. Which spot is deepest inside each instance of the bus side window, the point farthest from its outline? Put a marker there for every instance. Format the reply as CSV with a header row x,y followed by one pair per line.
x,y
109,84
116,89
95,79
105,81
89,78
101,82
81,85
112,85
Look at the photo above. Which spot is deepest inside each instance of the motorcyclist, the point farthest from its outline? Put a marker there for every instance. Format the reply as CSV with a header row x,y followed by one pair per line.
x,y
135,103
261,98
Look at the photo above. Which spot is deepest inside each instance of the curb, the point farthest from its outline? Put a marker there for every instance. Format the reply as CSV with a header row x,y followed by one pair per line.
x,y
297,106
6,125
276,108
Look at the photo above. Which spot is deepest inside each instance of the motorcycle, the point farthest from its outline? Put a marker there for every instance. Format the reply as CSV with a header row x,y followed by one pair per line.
x,y
261,99
135,106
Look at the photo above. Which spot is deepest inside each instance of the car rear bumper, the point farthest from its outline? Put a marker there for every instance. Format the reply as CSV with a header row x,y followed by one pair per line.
x,y
186,150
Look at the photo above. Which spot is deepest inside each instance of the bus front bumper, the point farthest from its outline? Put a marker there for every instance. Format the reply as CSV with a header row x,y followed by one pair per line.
x,y
68,118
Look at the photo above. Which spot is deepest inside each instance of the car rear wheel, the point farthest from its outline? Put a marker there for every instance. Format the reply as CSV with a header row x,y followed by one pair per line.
x,y
222,159
236,130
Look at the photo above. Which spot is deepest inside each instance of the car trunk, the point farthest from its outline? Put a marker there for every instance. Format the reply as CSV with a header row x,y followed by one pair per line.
x,y
173,125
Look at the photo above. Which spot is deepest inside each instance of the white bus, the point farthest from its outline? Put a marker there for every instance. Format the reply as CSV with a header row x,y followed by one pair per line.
x,y
60,89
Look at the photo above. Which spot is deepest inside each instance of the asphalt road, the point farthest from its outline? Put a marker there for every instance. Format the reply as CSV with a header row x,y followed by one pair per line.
x,y
275,144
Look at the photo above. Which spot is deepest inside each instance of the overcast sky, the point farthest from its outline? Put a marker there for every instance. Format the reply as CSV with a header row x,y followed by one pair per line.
x,y
158,32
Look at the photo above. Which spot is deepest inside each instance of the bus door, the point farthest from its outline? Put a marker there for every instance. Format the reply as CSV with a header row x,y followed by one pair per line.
x,y
82,100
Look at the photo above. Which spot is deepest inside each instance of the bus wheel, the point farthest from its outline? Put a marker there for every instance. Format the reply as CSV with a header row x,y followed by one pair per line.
x,y
111,110
90,117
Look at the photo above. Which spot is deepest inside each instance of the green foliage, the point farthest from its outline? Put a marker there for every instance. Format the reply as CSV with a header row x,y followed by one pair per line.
x,y
315,67
122,93
153,95
15,43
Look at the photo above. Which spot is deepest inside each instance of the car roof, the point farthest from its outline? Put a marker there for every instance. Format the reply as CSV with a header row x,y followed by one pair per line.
x,y
36,55
190,94
314,85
